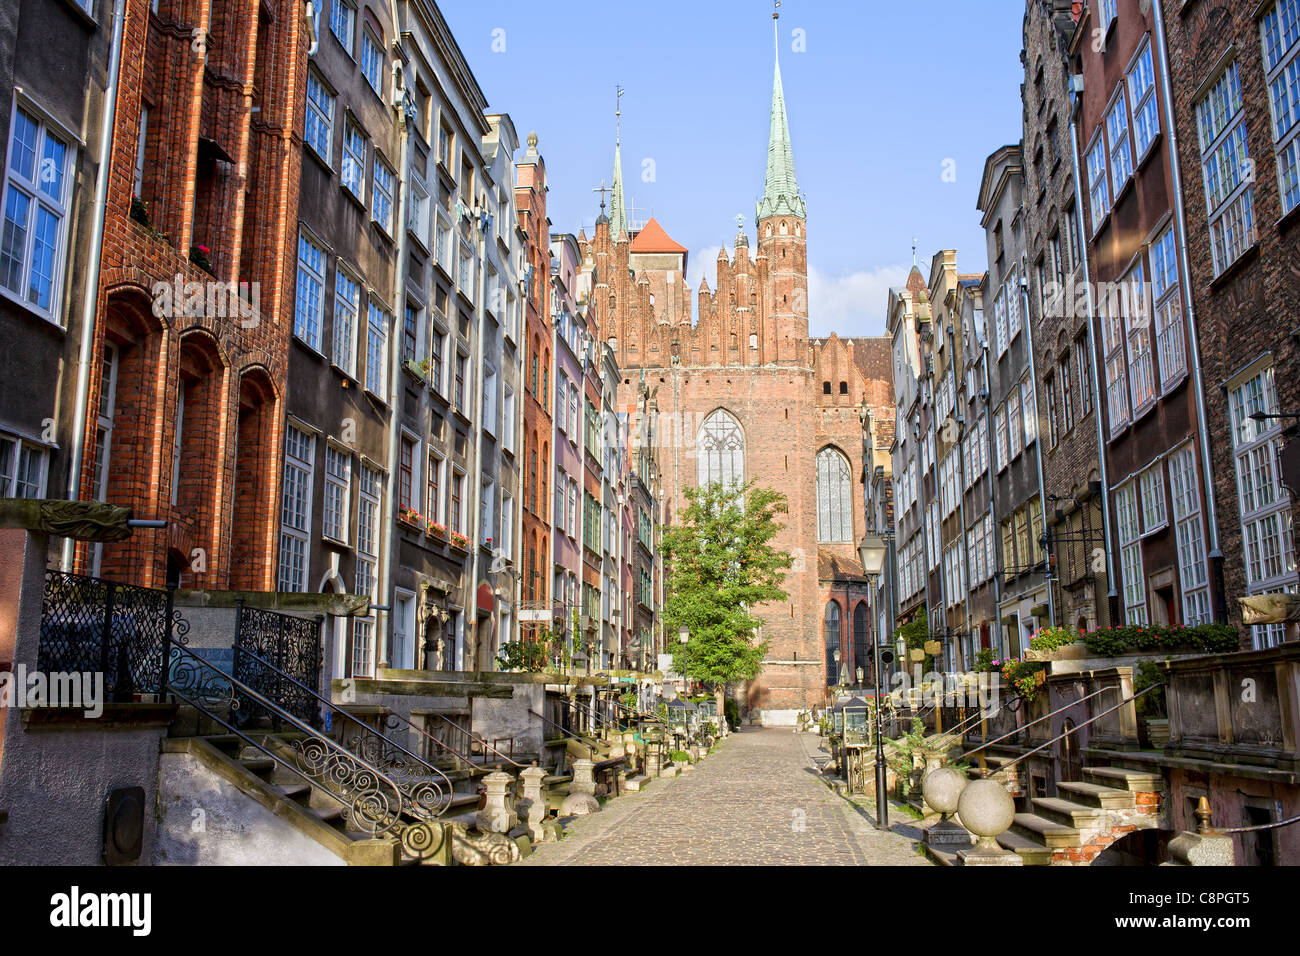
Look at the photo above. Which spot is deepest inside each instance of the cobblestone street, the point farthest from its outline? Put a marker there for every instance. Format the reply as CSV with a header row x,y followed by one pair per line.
x,y
756,800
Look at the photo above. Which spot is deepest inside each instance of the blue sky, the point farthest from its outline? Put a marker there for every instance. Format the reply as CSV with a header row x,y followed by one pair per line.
x,y
882,94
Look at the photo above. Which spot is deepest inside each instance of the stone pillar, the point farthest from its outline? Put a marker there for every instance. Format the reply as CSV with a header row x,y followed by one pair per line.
x,y
987,810
584,778
496,815
531,806
652,761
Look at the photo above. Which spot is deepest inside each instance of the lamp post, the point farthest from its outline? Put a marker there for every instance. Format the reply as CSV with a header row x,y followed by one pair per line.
x,y
871,549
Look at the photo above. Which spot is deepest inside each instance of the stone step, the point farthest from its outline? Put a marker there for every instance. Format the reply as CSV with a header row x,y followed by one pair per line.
x,y
1047,832
637,784
331,814
1068,813
1134,781
1030,852
1096,795
463,801
258,765
298,792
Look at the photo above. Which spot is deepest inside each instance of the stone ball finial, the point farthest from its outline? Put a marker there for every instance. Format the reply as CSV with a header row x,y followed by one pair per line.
x,y
986,810
942,788
532,140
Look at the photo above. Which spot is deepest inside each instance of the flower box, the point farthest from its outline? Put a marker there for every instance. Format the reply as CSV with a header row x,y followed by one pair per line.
x,y
409,516
417,370
437,531
459,541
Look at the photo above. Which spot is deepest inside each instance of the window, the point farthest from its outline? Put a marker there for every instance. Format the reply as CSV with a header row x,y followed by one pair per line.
x,y
1280,33
721,450
406,473
1130,551
1121,151
507,524
1015,423
1142,386
834,497
1098,184
465,283
437,359
1185,493
832,632
141,143
1000,337
1053,433
410,332
487,511
310,292
1111,312
347,303
490,399
508,420
1264,504
343,18
338,482
33,244
1082,349
417,221
372,66
1029,413
22,468
1142,96
1013,306
462,367
295,509
377,351
442,242
369,486
1225,167
1151,489
456,517
1106,13
1000,432
433,488
363,640
319,130
1067,393
1170,350
353,170
381,200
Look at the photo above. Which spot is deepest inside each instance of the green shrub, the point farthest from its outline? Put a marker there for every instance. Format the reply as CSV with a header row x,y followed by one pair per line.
x,y
984,660
1050,638
1148,673
1130,638
680,756
731,710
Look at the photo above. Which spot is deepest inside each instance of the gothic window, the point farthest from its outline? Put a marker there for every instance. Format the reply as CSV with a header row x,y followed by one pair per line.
x,y
721,446
834,499
832,630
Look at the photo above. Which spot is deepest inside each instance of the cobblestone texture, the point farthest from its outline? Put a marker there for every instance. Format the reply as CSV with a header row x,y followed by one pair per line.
x,y
757,799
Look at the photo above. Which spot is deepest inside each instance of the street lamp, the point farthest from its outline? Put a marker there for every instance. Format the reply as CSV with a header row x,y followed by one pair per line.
x,y
871,549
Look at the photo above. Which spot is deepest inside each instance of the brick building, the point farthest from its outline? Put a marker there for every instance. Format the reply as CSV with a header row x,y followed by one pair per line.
x,y
1232,75
1164,536
1073,471
744,393
191,349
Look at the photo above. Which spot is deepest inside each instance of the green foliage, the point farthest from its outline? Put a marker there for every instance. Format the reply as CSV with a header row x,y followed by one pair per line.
x,y
522,656
1050,638
731,710
915,633
1146,674
680,756
984,660
915,743
721,566
1129,638
1022,676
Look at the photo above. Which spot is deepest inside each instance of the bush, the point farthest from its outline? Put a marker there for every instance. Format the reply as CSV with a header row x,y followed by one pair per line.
x,y
1146,674
731,710
1021,676
679,756
1129,638
1050,638
984,660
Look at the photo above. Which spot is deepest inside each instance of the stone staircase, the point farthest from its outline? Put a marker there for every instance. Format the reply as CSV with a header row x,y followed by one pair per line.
x,y
1074,827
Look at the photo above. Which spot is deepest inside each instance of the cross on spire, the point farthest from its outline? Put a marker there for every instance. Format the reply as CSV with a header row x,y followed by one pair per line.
x,y
914,250
602,189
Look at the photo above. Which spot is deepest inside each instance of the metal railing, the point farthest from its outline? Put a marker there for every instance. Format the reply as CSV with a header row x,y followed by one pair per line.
x,y
122,631
1062,736
1039,720
589,744
467,756
376,802
591,712
368,740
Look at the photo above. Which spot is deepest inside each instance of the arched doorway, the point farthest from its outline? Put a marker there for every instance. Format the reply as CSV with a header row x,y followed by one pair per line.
x,y
252,540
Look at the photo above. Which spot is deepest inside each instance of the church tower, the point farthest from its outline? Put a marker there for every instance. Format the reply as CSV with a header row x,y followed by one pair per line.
x,y
782,242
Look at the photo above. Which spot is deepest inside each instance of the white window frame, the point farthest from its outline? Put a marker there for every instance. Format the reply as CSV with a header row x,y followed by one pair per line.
x,y
338,490
352,170
346,313
1225,163
309,294
1141,82
1151,497
1133,581
1193,573
320,116
1171,348
372,60
1097,171
1282,77
297,485
381,194
343,16
377,321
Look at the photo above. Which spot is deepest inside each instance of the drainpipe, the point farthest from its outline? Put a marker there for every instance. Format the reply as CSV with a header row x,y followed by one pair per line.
x,y
1216,555
90,292
1111,593
310,14
1038,438
993,498
475,542
394,368
961,471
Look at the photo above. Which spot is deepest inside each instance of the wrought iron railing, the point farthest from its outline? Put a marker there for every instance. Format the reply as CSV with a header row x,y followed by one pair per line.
x,y
568,734
120,630
377,801
465,755
283,660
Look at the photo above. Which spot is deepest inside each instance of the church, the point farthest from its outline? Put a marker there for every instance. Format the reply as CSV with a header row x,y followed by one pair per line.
x,y
745,393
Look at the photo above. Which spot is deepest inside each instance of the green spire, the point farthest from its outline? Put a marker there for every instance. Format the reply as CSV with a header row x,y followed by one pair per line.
x,y
781,193
617,207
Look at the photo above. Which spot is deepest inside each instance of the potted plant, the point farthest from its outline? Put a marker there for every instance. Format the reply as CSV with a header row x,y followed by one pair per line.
x,y
410,516
1025,677
417,370
140,212
459,541
201,256
1056,644
436,530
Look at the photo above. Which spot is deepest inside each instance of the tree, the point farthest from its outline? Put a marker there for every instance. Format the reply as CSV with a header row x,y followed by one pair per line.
x,y
721,566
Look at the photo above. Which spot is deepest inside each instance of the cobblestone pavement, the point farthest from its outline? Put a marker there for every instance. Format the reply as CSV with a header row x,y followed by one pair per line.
x,y
757,799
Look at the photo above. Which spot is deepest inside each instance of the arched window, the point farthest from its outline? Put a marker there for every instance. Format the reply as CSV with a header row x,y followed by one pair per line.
x,y
832,631
861,656
721,446
834,499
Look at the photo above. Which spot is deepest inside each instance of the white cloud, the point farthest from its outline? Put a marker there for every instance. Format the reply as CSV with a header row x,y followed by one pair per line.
x,y
703,262
851,305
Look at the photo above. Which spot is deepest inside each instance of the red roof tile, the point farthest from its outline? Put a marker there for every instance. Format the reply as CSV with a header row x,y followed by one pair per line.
x,y
652,238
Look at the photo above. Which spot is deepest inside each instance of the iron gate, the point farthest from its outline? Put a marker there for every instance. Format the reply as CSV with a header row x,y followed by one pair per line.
x,y
289,644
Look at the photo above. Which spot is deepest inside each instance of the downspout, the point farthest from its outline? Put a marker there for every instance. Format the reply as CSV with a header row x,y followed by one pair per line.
x,y
1038,437
311,27
961,465
475,542
1215,555
1111,593
394,367
90,293
996,529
